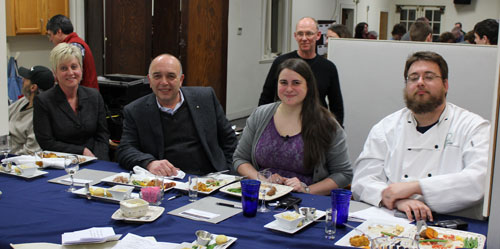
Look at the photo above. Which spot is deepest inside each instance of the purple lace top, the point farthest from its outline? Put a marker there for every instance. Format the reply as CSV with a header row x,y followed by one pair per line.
x,y
282,155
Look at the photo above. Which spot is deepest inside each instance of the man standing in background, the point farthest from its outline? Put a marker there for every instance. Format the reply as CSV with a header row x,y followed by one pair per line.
x,y
60,29
306,34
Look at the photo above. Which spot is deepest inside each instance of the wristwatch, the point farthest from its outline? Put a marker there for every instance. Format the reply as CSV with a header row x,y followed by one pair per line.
x,y
306,188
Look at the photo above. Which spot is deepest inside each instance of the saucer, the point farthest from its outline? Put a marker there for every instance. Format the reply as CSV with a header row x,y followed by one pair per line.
x,y
274,224
153,213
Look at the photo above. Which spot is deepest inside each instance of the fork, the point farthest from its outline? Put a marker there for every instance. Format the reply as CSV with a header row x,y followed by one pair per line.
x,y
420,224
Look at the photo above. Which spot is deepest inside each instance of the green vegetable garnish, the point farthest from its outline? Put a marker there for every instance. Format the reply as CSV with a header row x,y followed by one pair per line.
x,y
432,240
389,234
212,246
235,190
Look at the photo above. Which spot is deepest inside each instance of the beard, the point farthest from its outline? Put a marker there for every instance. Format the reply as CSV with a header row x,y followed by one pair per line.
x,y
26,91
424,106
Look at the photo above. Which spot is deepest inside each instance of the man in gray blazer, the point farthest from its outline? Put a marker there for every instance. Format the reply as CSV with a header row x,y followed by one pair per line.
x,y
175,128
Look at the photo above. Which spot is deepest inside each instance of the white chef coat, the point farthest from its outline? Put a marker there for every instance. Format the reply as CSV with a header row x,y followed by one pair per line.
x,y
449,160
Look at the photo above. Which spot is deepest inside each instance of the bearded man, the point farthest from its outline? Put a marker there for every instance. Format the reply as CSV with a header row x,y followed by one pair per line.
x,y
22,136
431,155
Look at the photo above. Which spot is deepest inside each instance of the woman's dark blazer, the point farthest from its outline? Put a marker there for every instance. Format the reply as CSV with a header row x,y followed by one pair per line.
x,y
58,128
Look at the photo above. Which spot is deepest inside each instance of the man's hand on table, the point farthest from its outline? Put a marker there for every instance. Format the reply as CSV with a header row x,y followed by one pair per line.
x,y
416,207
398,191
162,167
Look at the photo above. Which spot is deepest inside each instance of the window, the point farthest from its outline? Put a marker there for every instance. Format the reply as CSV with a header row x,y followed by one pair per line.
x,y
276,29
408,15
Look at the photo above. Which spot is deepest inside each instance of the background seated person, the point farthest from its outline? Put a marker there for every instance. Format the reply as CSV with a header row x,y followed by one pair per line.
x,y
296,138
69,117
431,155
22,136
175,128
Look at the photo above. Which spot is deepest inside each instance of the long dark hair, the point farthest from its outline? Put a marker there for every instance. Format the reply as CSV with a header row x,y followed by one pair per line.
x,y
359,31
318,124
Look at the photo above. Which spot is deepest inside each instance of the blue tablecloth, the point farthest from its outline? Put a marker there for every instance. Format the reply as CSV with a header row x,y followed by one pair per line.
x,y
38,211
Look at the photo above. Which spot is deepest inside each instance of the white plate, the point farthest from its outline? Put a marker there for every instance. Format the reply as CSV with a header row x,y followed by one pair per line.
x,y
83,193
83,159
281,190
13,172
230,240
152,214
371,228
222,178
109,180
274,224
481,239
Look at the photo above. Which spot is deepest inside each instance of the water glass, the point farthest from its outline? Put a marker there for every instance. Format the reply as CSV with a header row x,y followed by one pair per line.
x,y
330,223
71,166
193,188
152,195
250,197
5,149
340,201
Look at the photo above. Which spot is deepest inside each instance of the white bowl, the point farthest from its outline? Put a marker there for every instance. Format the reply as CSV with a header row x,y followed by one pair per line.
x,y
134,208
119,192
289,220
27,169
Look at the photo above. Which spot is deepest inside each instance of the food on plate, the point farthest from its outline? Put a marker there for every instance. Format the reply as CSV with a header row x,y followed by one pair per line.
x,y
220,239
235,190
39,164
449,241
203,187
121,179
213,182
50,155
54,155
429,233
387,230
359,240
272,191
95,191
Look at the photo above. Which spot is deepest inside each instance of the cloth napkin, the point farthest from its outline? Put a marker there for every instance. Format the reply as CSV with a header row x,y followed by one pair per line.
x,y
57,163
142,171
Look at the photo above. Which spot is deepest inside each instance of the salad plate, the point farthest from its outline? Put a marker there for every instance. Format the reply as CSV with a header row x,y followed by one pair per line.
x,y
138,181
151,215
235,189
274,224
208,185
100,193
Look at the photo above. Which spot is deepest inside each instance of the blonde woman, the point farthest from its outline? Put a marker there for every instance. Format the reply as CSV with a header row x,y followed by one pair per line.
x,y
69,117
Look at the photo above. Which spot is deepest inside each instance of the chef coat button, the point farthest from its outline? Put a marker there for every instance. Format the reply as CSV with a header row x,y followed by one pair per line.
x,y
429,175
409,122
406,176
409,148
436,146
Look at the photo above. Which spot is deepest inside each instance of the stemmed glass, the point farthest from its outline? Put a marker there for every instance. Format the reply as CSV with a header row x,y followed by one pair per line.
x,y
71,165
264,176
5,149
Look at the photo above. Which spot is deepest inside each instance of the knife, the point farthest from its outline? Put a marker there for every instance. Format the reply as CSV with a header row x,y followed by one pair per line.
x,y
173,197
87,190
229,205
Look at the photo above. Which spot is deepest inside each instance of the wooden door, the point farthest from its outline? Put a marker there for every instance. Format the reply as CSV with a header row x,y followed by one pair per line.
x,y
127,37
205,55
384,16
28,15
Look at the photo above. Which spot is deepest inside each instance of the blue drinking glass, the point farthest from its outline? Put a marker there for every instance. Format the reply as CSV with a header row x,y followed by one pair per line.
x,y
250,197
340,201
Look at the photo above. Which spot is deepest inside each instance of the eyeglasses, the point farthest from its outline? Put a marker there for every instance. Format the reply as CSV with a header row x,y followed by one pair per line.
x,y
427,77
308,34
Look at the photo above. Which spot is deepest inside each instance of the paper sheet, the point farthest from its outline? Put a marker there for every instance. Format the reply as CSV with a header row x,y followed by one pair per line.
x,y
380,214
132,241
91,235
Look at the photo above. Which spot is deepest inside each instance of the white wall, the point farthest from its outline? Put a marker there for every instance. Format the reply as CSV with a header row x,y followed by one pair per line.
x,y
4,122
245,73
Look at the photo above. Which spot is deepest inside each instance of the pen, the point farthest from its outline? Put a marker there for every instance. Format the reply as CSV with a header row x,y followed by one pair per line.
x,y
173,197
228,205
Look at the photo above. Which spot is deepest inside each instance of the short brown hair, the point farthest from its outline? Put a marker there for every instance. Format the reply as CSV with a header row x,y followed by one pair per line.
x,y
419,31
427,56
